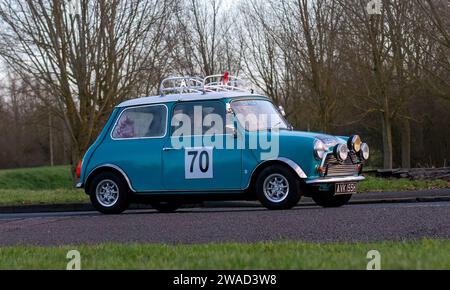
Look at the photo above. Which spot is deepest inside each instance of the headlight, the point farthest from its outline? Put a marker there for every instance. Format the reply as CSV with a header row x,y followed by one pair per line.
x,y
354,143
319,149
365,151
341,152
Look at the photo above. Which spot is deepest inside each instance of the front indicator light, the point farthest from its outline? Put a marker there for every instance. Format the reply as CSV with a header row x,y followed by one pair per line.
x,y
321,170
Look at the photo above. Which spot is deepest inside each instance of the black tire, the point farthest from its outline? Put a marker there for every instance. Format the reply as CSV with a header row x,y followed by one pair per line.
x,y
294,193
328,199
123,194
165,206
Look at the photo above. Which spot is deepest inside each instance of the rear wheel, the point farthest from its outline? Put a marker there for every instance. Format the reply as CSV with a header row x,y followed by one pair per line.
x,y
109,194
165,206
278,188
328,199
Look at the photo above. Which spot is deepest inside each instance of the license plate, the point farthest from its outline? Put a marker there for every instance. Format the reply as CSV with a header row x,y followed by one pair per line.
x,y
346,188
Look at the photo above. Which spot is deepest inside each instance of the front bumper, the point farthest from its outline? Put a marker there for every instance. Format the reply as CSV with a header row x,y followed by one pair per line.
x,y
335,179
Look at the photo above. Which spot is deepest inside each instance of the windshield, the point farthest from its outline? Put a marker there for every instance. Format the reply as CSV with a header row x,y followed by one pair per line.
x,y
258,115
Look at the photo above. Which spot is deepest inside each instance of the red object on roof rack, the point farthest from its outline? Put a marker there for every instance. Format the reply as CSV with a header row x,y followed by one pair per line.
x,y
225,78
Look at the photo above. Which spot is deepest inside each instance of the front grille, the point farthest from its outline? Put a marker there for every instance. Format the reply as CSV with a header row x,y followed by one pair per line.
x,y
347,168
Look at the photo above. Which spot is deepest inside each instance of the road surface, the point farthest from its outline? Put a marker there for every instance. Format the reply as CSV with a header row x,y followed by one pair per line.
x,y
354,222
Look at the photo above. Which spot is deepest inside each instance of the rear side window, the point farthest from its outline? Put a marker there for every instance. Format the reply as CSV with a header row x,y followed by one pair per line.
x,y
141,122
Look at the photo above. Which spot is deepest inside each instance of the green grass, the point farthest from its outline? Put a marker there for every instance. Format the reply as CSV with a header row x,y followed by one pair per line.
x,y
374,184
423,254
41,185
39,178
32,197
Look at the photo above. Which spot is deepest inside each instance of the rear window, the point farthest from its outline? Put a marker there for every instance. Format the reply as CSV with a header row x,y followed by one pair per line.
x,y
141,122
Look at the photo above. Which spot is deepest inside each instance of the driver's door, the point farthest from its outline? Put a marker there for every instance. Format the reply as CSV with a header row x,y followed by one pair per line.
x,y
202,159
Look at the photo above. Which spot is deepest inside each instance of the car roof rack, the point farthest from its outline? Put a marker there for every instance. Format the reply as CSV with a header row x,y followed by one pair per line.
x,y
181,85
223,83
212,83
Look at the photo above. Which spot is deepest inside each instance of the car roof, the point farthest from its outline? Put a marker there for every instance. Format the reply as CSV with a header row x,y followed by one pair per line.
x,y
187,97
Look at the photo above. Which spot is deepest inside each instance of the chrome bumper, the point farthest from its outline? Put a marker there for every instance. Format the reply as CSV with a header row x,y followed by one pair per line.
x,y
335,179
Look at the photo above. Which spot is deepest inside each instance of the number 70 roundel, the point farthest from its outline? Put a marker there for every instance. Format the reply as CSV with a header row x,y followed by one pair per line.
x,y
198,163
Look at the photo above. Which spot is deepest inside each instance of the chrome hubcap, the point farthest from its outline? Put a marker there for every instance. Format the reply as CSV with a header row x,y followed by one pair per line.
x,y
276,188
107,193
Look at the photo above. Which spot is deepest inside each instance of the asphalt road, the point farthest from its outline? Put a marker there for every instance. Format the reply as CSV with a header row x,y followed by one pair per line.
x,y
355,222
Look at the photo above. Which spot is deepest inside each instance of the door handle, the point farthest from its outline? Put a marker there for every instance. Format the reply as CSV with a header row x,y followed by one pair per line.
x,y
168,149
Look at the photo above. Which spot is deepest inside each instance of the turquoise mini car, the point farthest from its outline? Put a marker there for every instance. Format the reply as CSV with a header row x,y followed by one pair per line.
x,y
211,139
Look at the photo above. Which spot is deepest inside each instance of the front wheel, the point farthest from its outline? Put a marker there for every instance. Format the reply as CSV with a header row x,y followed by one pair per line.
x,y
277,187
109,194
328,199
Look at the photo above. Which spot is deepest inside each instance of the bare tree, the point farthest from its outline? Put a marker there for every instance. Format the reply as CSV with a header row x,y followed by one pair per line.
x,y
205,39
88,58
386,53
434,40
334,67
367,43
298,54
24,125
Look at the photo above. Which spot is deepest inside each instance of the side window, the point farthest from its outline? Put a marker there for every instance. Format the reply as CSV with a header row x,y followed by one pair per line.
x,y
207,118
141,122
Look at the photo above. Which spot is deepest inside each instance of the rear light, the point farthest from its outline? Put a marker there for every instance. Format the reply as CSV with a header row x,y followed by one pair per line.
x,y
78,171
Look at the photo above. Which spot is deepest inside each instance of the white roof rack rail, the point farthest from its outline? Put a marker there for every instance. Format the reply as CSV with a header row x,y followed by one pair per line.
x,y
213,83
181,85
221,83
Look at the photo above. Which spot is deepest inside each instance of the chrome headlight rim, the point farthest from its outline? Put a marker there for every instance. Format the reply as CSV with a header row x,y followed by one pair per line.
x,y
364,154
341,152
354,143
319,149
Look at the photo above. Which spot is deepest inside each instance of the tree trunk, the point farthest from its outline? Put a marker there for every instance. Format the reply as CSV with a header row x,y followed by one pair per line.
x,y
387,141
406,144
50,138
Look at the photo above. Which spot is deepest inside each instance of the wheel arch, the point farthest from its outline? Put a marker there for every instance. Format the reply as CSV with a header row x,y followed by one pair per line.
x,y
107,168
291,165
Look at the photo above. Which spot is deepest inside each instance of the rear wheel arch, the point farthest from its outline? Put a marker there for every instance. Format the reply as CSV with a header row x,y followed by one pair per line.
x,y
107,168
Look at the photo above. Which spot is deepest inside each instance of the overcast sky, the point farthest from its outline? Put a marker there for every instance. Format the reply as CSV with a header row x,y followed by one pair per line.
x,y
226,3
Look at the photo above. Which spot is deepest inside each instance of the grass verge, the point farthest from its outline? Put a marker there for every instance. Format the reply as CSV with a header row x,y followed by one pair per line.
x,y
39,178
16,197
423,254
375,184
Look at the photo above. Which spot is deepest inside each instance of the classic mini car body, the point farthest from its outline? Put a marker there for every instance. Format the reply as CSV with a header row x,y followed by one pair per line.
x,y
204,139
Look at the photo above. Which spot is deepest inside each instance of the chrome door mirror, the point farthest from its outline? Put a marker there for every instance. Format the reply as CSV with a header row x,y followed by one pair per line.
x,y
231,130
